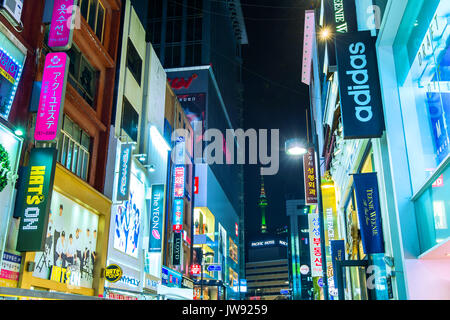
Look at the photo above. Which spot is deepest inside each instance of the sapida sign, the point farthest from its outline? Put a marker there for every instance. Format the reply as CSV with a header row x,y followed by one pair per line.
x,y
179,83
124,173
360,94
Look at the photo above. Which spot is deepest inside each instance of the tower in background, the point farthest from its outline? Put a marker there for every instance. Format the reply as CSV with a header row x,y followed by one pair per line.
x,y
262,204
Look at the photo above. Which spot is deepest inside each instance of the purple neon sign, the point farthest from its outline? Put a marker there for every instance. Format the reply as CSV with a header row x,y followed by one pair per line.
x,y
52,96
61,29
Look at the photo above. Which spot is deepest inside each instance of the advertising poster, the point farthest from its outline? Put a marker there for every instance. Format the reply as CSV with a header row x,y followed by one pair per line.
x,y
233,251
128,219
223,251
10,270
70,244
194,105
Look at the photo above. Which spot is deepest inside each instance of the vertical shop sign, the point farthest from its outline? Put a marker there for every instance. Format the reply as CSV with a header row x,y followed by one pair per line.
x,y
359,86
156,217
123,185
308,39
369,212
309,169
337,248
315,249
177,249
178,184
62,25
37,198
177,217
11,71
51,101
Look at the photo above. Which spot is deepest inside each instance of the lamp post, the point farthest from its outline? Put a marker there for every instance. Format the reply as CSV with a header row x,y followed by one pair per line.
x,y
296,147
207,254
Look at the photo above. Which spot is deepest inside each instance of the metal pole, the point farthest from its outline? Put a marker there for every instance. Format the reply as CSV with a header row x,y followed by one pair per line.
x,y
201,282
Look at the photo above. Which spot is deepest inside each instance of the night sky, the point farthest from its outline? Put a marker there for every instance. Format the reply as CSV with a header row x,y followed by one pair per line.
x,y
275,98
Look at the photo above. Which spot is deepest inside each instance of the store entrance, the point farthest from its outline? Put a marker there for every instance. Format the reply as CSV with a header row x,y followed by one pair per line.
x,y
352,279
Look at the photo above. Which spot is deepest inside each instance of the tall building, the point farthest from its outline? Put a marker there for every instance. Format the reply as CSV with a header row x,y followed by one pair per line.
x,y
267,268
262,204
199,45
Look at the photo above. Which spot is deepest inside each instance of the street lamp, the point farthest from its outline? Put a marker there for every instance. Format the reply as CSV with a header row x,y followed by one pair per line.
x,y
207,254
295,147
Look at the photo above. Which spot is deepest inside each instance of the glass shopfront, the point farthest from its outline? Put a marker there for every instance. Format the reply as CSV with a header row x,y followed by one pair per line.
x,y
425,103
366,282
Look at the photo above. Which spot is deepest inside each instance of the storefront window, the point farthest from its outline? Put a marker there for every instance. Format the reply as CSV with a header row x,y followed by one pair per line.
x,y
70,245
425,102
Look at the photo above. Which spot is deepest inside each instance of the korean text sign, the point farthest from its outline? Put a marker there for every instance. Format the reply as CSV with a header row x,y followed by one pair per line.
x,y
51,102
309,169
61,28
315,249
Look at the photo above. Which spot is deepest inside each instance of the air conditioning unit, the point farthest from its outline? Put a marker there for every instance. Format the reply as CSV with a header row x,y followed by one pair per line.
x,y
12,11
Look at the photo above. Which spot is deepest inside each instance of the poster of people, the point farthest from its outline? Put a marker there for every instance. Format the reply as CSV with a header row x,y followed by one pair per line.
x,y
71,242
128,219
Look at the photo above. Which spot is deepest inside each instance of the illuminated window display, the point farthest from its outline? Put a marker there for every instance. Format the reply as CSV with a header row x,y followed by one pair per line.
x,y
425,102
71,244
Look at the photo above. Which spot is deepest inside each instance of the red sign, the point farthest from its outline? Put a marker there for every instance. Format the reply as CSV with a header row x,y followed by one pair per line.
x,y
179,182
180,83
439,182
196,183
309,169
196,269
237,229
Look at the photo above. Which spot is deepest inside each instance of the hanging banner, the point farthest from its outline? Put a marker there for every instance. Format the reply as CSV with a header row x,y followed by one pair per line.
x,y
35,206
314,240
177,249
359,86
156,218
369,212
308,39
62,25
309,169
123,184
177,217
51,101
337,248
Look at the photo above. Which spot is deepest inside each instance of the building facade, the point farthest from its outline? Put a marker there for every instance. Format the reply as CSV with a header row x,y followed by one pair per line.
x,y
402,155
70,254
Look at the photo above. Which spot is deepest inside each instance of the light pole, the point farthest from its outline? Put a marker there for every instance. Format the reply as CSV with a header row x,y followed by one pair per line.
x,y
296,147
207,254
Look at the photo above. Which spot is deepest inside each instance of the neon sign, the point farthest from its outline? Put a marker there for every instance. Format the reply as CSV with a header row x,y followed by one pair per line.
x,y
61,28
180,83
11,70
179,182
178,208
51,101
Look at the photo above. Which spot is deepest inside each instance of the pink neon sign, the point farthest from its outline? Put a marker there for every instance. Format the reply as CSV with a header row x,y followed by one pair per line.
x,y
52,96
61,30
